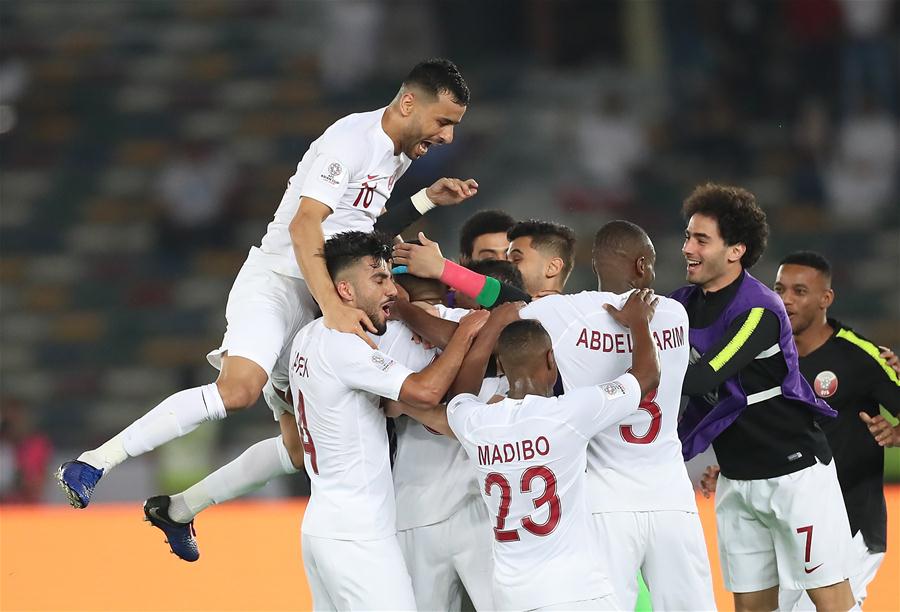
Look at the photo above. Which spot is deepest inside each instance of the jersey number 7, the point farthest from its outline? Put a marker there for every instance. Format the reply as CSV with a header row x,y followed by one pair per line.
x,y
495,479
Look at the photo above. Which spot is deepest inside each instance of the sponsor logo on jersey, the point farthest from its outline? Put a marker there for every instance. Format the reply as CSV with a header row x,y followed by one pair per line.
x,y
826,383
332,173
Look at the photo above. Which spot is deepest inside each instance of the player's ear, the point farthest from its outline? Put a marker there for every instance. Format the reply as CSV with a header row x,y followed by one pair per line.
x,y
407,102
640,267
554,267
736,251
827,299
551,360
345,290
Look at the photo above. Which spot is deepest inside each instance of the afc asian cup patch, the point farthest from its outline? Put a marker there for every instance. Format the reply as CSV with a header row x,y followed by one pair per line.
x,y
382,362
332,174
613,389
826,383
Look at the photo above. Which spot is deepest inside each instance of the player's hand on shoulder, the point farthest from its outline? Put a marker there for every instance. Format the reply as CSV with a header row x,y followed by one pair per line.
x,y
425,260
709,479
884,433
637,309
891,358
347,319
472,323
450,191
504,314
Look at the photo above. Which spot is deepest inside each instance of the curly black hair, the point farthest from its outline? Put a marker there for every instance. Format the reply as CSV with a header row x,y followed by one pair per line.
x,y
479,224
439,75
739,217
545,235
346,248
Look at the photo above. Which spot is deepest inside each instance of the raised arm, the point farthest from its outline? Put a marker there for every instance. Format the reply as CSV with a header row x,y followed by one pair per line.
x,y
427,388
308,242
471,373
444,192
435,330
635,315
426,260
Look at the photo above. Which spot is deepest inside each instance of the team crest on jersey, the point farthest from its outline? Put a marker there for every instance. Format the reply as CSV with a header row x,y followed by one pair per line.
x,y
332,173
613,389
381,362
825,384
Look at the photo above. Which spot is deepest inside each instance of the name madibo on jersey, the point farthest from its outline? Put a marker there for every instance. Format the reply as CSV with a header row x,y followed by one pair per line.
x,y
637,465
337,381
352,169
530,455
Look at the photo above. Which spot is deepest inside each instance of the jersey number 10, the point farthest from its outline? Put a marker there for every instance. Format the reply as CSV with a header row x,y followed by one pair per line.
x,y
495,479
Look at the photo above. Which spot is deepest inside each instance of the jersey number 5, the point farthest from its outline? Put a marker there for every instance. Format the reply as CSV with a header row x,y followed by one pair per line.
x,y
650,406
309,446
549,496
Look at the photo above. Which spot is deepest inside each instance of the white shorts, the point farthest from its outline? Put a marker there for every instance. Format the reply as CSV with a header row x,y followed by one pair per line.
x,y
668,547
357,575
265,310
790,531
449,556
863,566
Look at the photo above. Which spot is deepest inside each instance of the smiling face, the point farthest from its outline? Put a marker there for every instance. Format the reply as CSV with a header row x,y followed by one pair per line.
x,y
806,294
711,263
368,285
429,121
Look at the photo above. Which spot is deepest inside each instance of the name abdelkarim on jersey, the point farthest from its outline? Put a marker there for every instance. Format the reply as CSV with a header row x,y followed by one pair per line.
x,y
640,459
337,381
530,455
352,169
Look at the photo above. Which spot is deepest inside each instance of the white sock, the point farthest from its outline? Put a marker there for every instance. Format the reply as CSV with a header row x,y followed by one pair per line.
x,y
174,417
254,468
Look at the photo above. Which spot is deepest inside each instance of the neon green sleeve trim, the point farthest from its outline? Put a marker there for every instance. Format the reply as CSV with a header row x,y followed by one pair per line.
x,y
739,339
871,350
488,295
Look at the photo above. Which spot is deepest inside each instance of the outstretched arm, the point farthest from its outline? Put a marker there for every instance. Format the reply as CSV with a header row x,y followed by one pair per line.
x,y
444,192
471,373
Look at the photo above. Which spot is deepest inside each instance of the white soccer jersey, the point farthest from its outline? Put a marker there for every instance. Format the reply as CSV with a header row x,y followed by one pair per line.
x,y
432,477
637,465
336,380
530,456
352,169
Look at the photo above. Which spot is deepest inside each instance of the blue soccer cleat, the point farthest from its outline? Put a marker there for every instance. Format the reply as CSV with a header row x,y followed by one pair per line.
x,y
179,536
77,480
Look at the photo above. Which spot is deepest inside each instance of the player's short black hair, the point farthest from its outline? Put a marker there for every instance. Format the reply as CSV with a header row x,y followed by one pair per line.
x,y
479,224
548,236
346,248
739,217
810,259
438,76
619,236
503,271
521,341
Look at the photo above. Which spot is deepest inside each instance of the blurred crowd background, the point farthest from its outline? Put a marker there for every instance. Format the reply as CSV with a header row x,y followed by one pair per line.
x,y
145,145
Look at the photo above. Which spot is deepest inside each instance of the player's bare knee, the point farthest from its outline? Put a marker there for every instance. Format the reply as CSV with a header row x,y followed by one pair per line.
x,y
238,394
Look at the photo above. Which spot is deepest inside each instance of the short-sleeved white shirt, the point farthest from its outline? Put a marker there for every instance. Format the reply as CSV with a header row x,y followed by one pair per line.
x,y
530,455
432,476
337,381
637,465
352,169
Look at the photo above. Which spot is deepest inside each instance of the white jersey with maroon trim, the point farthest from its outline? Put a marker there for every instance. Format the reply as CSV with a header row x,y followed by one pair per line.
x,y
637,465
432,477
530,455
352,169
337,381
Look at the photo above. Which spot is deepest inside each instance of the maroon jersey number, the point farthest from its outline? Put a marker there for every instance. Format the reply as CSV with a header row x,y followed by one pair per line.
x,y
649,405
548,497
309,446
